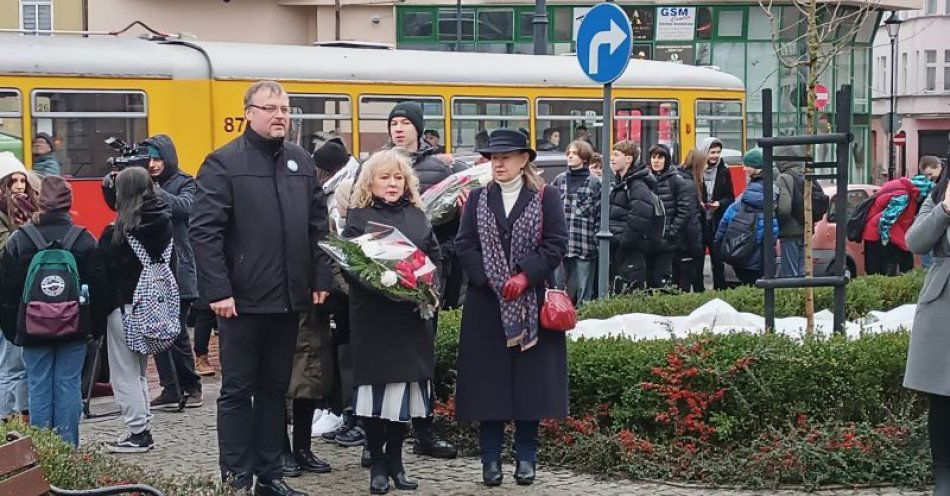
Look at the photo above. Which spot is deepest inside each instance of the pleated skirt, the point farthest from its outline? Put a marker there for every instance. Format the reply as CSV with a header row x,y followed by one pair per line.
x,y
397,401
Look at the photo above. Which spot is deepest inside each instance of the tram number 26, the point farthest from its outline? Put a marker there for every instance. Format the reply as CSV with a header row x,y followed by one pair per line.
x,y
232,124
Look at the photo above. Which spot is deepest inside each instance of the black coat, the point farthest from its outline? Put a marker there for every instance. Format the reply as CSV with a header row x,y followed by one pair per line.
x,y
723,193
633,219
255,223
693,238
678,198
496,382
390,342
428,168
122,266
15,261
178,190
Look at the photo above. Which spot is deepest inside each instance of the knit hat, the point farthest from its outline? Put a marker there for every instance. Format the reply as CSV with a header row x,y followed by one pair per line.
x,y
10,164
331,156
753,159
56,195
45,137
411,111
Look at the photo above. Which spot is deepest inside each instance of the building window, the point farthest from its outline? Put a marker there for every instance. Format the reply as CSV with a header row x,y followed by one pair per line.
x,y
474,118
11,122
882,74
374,112
81,121
496,24
904,72
448,25
417,23
316,118
930,8
946,70
36,16
930,67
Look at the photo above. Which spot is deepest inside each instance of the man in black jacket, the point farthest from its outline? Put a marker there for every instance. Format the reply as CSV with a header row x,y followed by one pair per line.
x,y
178,190
718,192
255,223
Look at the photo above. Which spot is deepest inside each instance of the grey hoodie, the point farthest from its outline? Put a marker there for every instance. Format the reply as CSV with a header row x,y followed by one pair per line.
x,y
789,226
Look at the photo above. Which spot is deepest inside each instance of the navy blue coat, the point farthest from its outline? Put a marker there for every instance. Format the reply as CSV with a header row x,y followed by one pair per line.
x,y
496,382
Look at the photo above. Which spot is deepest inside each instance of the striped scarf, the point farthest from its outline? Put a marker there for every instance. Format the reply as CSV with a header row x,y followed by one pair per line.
x,y
519,317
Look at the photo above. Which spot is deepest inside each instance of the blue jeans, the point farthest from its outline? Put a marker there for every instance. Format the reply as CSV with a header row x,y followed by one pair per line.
x,y
14,395
55,376
491,436
793,258
577,277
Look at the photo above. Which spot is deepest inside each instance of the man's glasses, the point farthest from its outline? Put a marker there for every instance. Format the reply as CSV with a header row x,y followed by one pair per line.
x,y
271,109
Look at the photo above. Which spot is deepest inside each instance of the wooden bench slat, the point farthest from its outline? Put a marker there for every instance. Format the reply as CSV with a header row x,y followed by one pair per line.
x,y
16,455
29,483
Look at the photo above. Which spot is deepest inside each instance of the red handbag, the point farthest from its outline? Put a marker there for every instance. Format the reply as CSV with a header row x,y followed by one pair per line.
x,y
557,311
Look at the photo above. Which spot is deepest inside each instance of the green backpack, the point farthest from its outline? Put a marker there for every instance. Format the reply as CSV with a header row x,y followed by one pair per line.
x,y
50,305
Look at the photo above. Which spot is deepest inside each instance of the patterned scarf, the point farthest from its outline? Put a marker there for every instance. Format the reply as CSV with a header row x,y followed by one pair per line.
x,y
519,317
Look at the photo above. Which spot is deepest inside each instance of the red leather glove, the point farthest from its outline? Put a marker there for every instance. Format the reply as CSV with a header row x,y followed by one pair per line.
x,y
514,287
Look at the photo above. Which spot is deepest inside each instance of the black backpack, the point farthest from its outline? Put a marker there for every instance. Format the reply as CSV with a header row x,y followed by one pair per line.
x,y
738,242
858,218
819,200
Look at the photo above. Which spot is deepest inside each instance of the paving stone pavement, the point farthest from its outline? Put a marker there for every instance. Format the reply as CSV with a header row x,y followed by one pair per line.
x,y
186,443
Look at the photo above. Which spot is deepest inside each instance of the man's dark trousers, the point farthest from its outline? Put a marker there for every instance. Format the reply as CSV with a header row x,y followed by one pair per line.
x,y
183,358
256,353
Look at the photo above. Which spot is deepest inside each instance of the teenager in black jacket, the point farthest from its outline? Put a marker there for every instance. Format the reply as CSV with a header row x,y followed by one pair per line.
x,y
678,201
636,218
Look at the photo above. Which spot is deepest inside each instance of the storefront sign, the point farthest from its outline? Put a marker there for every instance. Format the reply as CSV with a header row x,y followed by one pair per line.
x,y
675,54
675,23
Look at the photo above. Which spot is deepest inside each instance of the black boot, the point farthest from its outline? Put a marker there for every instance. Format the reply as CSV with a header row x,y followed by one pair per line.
x,y
379,471
941,481
308,462
288,466
395,434
491,473
365,460
428,443
525,473
275,487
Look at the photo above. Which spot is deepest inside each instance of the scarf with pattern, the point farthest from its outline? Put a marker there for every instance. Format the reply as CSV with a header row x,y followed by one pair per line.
x,y
519,317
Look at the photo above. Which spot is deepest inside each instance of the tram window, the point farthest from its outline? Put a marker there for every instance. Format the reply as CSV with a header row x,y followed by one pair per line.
x,y
647,123
374,112
722,119
11,123
314,118
569,118
473,119
81,121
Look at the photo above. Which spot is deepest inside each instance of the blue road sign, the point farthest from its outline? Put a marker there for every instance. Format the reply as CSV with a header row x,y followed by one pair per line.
x,y
604,43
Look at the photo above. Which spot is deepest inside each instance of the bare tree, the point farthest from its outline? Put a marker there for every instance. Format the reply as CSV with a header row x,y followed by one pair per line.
x,y
822,31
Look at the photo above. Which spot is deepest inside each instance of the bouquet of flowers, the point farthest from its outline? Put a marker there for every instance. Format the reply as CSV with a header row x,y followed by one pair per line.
x,y
441,201
384,259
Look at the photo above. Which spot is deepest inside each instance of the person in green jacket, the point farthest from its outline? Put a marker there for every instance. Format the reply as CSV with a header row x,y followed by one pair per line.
x,y
44,160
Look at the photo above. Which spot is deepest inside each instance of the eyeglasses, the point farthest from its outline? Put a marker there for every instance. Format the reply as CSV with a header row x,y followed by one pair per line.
x,y
271,109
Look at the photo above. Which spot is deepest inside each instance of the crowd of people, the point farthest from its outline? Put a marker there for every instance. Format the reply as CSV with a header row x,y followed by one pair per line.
x,y
300,339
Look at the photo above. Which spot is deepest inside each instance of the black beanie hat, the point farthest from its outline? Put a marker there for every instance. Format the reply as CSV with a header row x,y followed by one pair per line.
x,y
331,156
411,111
45,137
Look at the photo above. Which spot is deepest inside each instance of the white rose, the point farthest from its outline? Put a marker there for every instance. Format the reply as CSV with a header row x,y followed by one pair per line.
x,y
388,278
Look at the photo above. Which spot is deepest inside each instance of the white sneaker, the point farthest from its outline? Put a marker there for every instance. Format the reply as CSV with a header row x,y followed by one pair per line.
x,y
316,416
327,422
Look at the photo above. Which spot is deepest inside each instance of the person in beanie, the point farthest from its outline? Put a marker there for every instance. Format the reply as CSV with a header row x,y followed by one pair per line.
x,y
255,226
178,189
44,159
751,205
53,365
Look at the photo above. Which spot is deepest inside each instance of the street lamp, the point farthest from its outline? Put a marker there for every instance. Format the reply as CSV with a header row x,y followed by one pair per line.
x,y
893,27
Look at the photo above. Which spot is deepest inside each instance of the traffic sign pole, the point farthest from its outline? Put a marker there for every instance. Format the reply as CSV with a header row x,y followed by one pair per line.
x,y
604,235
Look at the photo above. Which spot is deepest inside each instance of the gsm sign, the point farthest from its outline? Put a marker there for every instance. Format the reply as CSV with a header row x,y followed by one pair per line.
x,y
674,11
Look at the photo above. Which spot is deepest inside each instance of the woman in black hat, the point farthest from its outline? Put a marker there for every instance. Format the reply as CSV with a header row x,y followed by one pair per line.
x,y
511,239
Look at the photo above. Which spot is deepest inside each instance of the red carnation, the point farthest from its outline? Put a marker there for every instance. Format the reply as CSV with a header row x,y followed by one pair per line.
x,y
417,260
406,276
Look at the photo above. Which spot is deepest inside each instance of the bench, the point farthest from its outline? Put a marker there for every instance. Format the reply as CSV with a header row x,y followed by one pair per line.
x,y
23,476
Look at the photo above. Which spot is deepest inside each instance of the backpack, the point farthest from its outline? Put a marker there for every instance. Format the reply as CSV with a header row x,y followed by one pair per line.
x,y
819,200
858,218
152,324
52,297
738,242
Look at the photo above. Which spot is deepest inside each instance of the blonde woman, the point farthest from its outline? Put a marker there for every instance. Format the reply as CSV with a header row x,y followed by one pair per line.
x,y
393,347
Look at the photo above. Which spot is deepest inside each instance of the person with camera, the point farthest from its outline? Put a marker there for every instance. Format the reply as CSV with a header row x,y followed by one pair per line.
x,y
255,223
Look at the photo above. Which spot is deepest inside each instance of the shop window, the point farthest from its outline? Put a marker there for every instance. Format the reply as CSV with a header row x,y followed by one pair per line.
x,y
80,122
496,25
374,115
448,26
730,58
11,122
761,73
648,123
526,24
791,23
417,23
721,119
704,23
473,119
316,118
563,20
569,119
730,23
760,26
641,22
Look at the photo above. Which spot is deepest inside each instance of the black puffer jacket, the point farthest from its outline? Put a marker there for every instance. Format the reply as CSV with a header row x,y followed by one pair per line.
x,y
633,215
693,240
679,200
428,168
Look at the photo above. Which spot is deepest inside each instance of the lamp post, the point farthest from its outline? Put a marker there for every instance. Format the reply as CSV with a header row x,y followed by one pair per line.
x,y
540,23
893,26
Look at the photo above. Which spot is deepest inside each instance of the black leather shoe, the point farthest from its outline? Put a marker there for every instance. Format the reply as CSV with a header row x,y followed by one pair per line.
x,y
289,467
525,472
434,447
403,482
491,474
309,463
378,479
366,461
353,437
275,487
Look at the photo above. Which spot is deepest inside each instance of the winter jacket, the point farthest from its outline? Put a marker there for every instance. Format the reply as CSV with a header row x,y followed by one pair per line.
x,y
428,168
752,199
633,210
693,238
722,191
255,223
122,266
582,213
178,190
15,262
678,198
898,230
790,227
46,165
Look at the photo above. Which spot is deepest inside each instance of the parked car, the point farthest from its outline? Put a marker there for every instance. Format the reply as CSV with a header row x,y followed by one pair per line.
x,y
823,240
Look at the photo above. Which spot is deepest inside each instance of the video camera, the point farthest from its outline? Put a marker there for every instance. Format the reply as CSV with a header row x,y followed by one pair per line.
x,y
129,155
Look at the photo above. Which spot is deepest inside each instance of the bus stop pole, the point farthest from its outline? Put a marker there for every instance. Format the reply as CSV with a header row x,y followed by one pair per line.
x,y
603,256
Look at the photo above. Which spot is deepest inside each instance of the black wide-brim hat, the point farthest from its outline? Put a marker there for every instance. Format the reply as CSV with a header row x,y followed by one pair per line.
x,y
506,141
